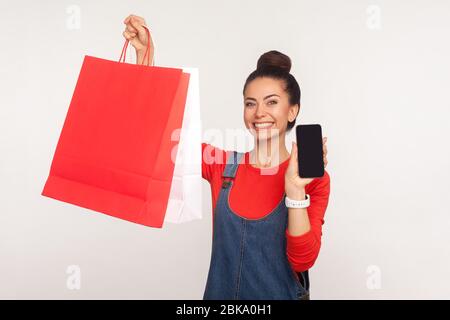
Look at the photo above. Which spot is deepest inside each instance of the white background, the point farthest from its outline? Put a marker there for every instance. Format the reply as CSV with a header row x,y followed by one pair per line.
x,y
375,74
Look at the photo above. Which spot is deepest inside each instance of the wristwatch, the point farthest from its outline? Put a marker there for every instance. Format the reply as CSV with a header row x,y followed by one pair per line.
x,y
298,204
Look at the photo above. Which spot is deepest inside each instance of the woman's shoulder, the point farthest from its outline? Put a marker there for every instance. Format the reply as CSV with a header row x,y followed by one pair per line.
x,y
214,155
214,160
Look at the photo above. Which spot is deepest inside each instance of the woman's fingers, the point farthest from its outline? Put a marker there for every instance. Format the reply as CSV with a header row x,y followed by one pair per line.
x,y
129,35
127,19
295,151
137,23
293,168
134,24
130,28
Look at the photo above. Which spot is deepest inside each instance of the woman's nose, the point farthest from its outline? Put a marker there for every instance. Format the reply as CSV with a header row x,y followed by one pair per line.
x,y
260,112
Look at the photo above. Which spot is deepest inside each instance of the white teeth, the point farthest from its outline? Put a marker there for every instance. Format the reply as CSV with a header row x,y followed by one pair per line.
x,y
263,125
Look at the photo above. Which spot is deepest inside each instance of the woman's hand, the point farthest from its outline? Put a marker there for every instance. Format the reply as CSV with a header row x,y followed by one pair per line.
x,y
136,34
294,185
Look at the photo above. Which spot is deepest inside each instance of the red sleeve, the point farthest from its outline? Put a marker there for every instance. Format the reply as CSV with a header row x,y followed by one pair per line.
x,y
211,157
213,162
302,251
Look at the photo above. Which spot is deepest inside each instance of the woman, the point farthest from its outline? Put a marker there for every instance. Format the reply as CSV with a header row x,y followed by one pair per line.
x,y
261,248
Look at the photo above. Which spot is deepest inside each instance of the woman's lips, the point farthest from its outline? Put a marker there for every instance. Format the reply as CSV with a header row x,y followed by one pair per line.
x,y
262,125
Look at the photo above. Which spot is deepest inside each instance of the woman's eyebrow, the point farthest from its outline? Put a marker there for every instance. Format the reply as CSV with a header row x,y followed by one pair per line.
x,y
270,95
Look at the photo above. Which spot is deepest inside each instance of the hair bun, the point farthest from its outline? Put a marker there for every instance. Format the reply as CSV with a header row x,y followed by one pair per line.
x,y
274,59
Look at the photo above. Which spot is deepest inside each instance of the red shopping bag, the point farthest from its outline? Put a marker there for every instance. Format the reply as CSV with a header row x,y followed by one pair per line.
x,y
114,151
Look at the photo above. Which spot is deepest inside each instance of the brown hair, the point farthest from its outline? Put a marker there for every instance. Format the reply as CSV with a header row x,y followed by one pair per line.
x,y
276,65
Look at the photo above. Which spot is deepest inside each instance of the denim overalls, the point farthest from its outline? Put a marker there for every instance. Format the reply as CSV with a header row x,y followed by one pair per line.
x,y
248,259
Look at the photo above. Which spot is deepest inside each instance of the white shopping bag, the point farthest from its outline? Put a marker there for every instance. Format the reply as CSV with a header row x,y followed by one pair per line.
x,y
185,201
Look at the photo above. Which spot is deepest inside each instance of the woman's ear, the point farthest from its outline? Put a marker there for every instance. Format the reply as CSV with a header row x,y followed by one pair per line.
x,y
293,112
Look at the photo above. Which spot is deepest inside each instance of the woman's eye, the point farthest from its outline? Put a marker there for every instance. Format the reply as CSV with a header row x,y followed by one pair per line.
x,y
249,104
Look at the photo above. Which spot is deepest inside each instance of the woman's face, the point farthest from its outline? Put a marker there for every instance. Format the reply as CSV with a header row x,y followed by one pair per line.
x,y
267,109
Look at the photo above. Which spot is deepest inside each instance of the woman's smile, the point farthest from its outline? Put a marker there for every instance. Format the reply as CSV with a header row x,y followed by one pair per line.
x,y
262,125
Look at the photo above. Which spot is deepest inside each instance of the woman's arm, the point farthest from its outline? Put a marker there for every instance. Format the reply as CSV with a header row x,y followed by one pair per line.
x,y
298,220
304,230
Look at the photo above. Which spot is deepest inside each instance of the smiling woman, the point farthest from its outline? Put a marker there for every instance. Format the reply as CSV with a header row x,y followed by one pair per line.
x,y
261,248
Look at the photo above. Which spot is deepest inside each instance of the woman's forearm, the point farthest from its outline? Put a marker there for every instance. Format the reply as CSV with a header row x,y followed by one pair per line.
x,y
298,219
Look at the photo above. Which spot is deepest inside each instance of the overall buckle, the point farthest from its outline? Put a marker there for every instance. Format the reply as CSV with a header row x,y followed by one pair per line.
x,y
226,183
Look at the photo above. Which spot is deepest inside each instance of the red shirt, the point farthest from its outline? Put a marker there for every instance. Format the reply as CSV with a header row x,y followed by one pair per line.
x,y
254,195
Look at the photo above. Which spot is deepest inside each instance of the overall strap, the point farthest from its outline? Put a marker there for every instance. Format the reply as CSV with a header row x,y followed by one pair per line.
x,y
233,160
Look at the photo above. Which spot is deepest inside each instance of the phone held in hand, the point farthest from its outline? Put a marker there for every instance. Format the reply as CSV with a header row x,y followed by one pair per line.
x,y
310,150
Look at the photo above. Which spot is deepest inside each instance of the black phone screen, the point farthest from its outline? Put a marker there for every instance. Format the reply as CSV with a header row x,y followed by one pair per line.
x,y
310,150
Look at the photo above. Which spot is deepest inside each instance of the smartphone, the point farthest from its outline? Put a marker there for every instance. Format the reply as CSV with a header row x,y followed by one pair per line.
x,y
310,150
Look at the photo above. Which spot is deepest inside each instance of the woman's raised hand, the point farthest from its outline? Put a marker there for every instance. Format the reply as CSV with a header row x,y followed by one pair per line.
x,y
295,185
136,34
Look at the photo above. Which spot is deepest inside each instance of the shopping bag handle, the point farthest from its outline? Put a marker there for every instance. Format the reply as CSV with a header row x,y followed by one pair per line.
x,y
147,50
